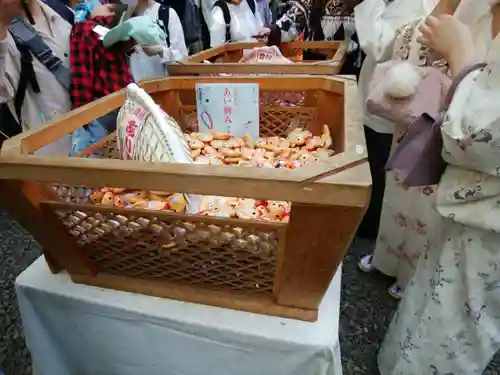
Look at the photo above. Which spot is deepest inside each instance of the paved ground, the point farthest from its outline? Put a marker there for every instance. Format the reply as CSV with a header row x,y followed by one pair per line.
x,y
366,308
365,313
17,251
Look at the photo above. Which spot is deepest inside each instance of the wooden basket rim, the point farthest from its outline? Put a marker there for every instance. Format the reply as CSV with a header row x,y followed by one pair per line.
x,y
195,64
314,184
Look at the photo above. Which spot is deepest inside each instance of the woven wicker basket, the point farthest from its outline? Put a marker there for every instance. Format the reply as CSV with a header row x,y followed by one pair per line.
x,y
281,269
225,59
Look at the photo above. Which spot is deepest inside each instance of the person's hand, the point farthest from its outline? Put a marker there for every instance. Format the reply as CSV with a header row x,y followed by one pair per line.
x,y
263,33
446,35
152,50
103,10
10,9
449,37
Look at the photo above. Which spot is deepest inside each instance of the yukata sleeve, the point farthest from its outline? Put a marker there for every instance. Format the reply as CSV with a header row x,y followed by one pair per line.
x,y
9,75
82,42
471,130
177,50
294,21
268,16
469,190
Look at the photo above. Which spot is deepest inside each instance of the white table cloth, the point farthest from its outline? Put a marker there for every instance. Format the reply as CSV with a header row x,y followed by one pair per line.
x,y
74,329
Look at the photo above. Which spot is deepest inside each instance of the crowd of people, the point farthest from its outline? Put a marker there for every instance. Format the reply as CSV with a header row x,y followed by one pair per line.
x,y
441,243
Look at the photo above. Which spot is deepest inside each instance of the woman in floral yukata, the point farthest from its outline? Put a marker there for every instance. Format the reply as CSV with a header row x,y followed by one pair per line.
x,y
409,219
449,320
319,20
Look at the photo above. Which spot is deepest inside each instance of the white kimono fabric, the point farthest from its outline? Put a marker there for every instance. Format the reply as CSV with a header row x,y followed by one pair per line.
x,y
244,24
143,66
449,320
409,220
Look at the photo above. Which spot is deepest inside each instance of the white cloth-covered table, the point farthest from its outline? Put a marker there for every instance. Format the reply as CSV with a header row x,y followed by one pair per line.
x,y
74,329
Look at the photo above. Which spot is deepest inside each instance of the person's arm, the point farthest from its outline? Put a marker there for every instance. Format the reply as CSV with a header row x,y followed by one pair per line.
x,y
92,8
9,78
376,36
258,19
445,7
468,192
177,50
268,18
294,21
471,137
206,7
217,28
462,57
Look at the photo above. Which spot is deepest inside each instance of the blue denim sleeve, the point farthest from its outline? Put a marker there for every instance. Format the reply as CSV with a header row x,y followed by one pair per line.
x,y
84,8
86,136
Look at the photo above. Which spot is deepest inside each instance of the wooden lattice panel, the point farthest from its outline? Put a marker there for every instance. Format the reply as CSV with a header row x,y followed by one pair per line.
x,y
282,99
108,151
274,121
278,122
72,194
181,251
190,117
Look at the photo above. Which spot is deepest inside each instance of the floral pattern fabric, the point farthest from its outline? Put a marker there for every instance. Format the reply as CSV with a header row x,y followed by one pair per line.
x,y
449,320
296,20
408,223
409,219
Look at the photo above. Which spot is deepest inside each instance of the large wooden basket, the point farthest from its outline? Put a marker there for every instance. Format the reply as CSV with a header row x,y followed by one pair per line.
x,y
225,59
124,249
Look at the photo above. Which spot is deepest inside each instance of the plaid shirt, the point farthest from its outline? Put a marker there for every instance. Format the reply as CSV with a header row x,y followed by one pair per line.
x,y
95,70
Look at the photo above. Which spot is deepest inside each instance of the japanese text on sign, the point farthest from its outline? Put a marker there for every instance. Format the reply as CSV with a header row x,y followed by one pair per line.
x,y
229,101
228,107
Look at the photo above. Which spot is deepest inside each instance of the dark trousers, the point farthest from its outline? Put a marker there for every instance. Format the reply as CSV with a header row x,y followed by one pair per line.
x,y
379,149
